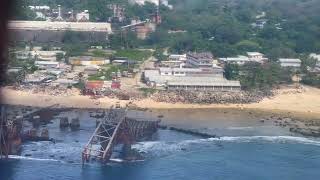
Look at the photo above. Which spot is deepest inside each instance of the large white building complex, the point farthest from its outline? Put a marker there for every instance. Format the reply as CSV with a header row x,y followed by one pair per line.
x,y
197,72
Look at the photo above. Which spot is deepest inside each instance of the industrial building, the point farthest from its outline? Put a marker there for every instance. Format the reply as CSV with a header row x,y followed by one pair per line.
x,y
54,32
203,84
60,26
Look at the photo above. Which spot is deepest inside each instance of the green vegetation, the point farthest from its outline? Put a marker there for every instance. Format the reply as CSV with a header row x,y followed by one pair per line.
x,y
59,56
106,72
98,53
311,79
148,91
222,27
256,76
133,54
158,53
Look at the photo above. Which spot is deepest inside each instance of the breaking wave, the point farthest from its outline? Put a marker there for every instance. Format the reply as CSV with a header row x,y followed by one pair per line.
x,y
240,128
31,158
160,147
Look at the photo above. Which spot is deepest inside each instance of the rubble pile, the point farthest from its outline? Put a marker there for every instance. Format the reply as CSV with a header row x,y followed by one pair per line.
x,y
49,90
123,95
242,97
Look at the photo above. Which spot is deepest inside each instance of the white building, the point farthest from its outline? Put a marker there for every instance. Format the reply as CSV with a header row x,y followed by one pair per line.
x,y
172,81
294,63
34,8
212,72
257,57
46,64
316,57
83,16
240,60
199,60
178,57
142,2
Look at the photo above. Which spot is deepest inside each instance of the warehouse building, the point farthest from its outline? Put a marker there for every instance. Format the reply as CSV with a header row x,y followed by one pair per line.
x,y
203,84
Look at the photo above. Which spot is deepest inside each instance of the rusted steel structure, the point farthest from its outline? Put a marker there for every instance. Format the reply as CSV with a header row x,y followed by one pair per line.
x,y
4,149
116,129
11,136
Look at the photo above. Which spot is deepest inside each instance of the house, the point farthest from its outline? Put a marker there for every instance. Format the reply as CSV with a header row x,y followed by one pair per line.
x,y
91,70
198,60
46,64
93,87
88,61
142,2
47,55
37,77
23,55
240,60
257,57
317,58
178,57
291,63
83,16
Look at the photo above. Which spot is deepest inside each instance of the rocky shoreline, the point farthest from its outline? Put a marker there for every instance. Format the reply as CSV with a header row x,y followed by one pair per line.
x,y
242,97
310,128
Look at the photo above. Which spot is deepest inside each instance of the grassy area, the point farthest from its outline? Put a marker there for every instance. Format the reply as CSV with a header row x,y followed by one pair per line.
x,y
133,54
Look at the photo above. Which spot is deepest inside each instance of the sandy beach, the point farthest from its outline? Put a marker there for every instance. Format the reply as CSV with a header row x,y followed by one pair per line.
x,y
305,102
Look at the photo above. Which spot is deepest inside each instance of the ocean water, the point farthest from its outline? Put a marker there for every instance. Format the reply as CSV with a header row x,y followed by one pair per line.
x,y
241,152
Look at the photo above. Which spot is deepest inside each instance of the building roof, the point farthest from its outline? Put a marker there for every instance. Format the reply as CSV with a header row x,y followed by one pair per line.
x,y
239,58
94,84
46,63
315,56
202,81
202,55
154,76
178,55
254,54
288,60
65,81
86,58
73,26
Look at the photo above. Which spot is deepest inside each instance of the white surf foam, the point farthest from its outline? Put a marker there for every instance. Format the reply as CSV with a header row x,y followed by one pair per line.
x,y
166,147
240,128
31,158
